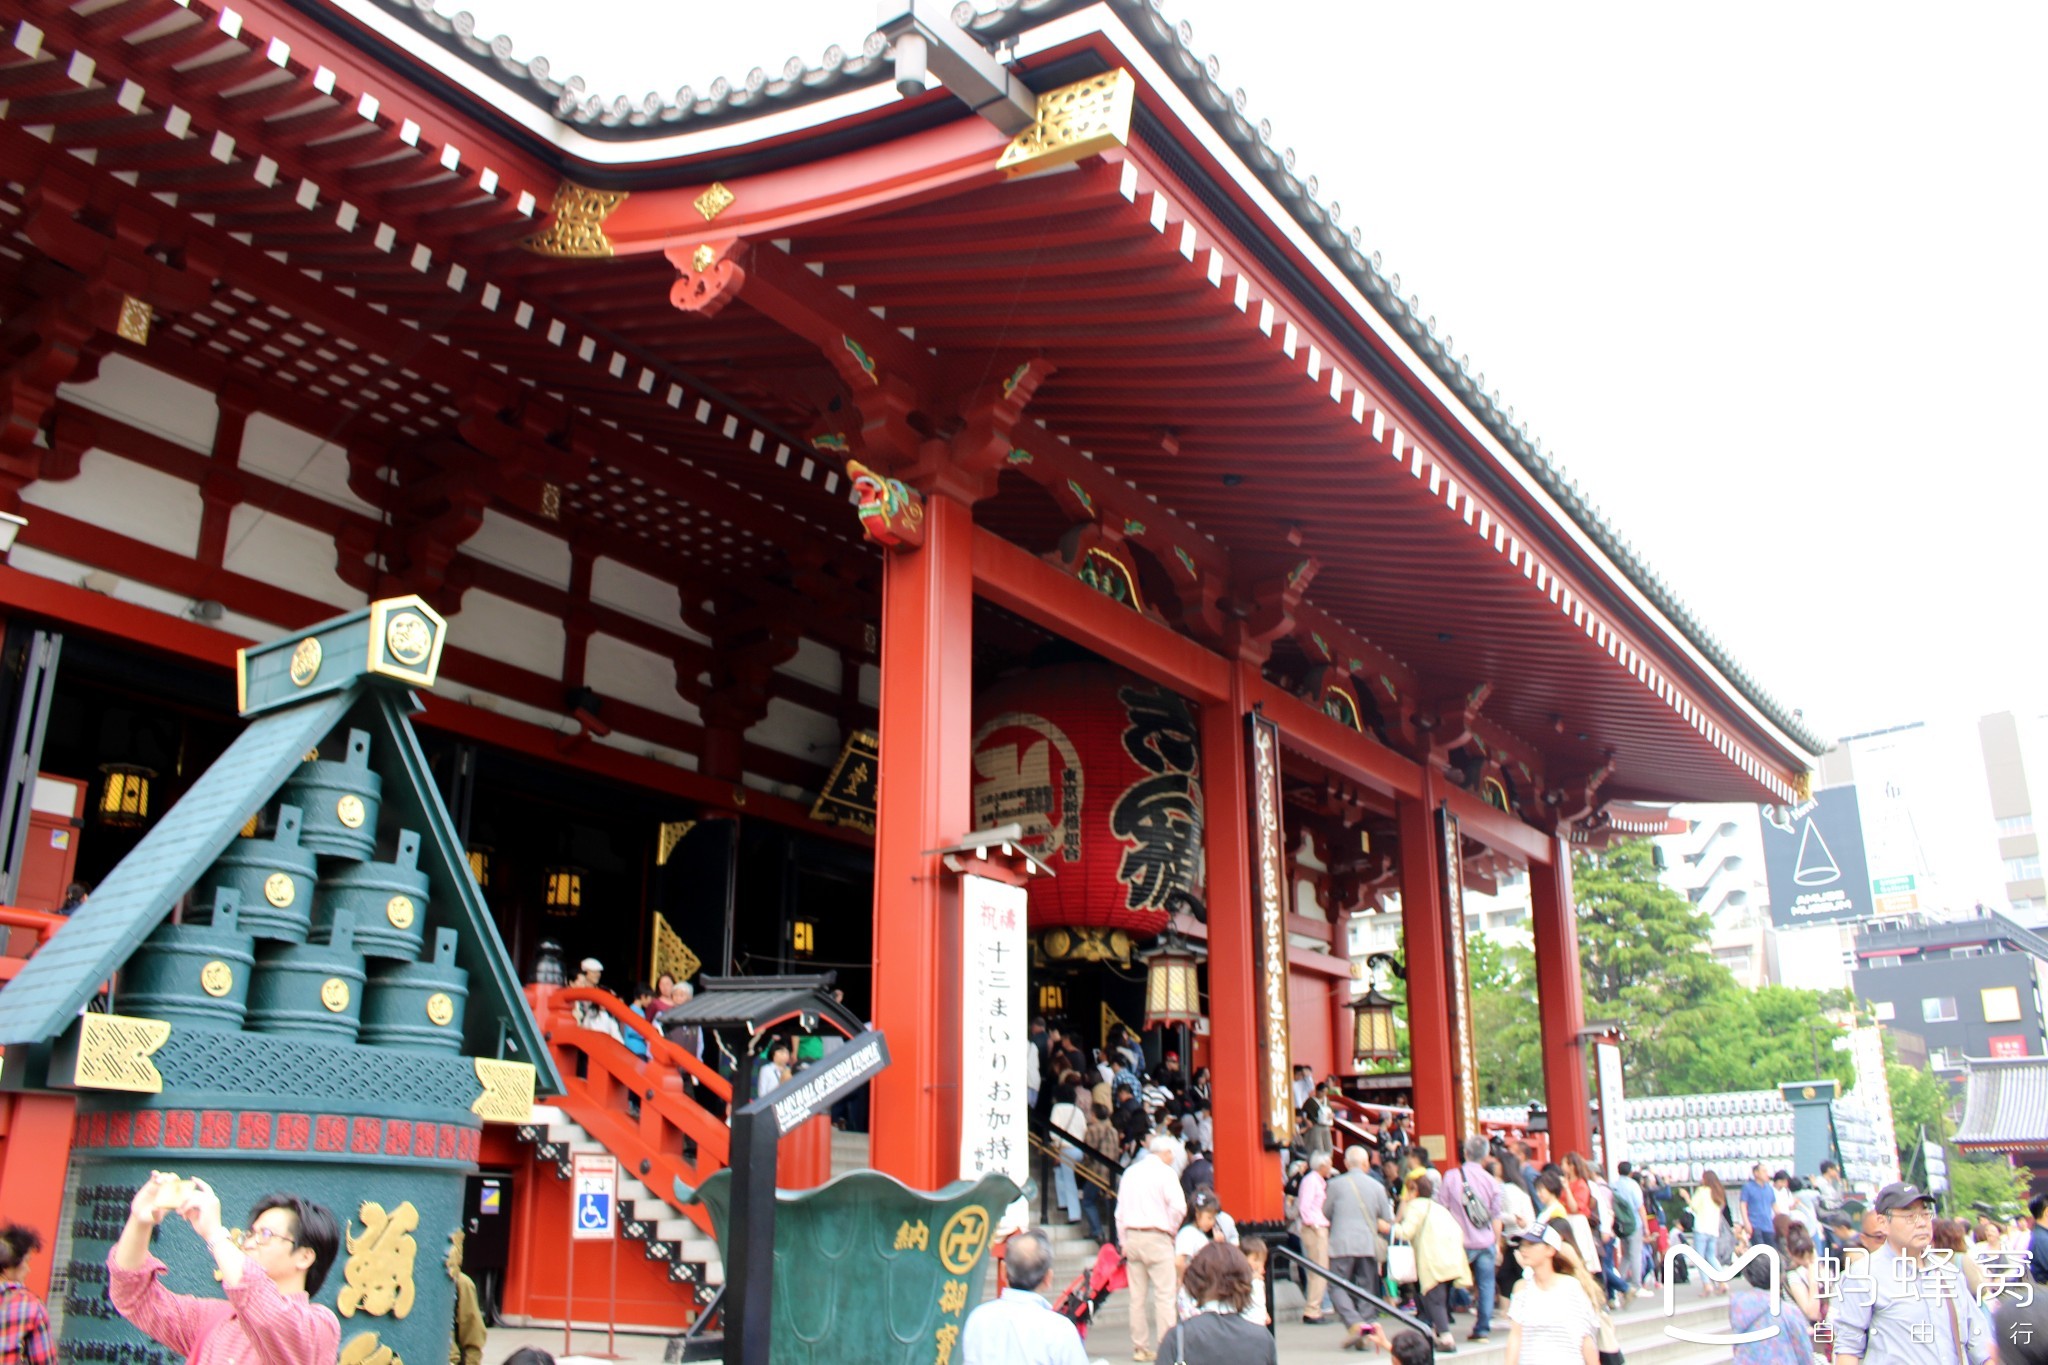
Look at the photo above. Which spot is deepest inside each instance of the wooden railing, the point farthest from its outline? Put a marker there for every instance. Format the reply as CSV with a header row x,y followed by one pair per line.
x,y
599,1073
24,932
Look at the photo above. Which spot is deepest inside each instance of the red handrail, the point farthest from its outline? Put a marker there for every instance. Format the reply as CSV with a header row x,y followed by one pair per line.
x,y
659,1048
12,917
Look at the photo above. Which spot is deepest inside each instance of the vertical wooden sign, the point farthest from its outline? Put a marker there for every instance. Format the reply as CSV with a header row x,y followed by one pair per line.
x,y
1269,931
1464,1077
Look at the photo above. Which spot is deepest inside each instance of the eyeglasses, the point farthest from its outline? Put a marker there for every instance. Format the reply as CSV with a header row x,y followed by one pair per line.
x,y
1918,1213
265,1236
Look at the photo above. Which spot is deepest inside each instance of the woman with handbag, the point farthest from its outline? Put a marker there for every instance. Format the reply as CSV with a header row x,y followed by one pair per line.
x,y
1439,1248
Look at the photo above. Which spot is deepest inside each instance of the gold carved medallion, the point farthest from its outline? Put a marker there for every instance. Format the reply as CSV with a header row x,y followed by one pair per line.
x,y
334,994
963,1238
440,1009
216,978
408,638
714,201
349,810
401,912
305,662
1074,121
280,890
577,231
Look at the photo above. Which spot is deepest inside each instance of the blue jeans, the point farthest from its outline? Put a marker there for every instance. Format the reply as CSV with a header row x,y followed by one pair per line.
x,y
1065,1190
1482,1288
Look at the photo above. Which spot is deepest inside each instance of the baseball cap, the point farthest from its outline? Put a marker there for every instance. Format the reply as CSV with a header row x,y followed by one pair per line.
x,y
591,964
1541,1233
1899,1195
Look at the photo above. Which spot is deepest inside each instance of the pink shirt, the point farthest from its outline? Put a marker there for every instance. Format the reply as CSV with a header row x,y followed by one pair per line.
x,y
1150,1196
256,1324
1310,1200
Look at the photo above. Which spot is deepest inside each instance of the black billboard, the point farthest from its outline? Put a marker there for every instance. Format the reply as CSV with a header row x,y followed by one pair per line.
x,y
1813,856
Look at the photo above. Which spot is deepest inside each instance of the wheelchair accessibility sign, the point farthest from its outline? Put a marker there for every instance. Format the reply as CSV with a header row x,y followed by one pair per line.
x,y
594,1190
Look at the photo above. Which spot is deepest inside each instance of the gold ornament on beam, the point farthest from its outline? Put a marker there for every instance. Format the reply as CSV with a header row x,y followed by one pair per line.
x,y
714,201
134,321
1074,121
577,231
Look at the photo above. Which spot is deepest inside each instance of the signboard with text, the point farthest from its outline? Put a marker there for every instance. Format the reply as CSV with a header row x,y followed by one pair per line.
x,y
994,1029
1270,898
1464,1078
1814,859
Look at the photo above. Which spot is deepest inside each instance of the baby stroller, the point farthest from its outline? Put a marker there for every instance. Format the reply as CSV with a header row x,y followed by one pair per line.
x,y
1092,1287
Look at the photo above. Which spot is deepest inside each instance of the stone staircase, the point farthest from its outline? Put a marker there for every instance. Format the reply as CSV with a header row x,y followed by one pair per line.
x,y
664,1234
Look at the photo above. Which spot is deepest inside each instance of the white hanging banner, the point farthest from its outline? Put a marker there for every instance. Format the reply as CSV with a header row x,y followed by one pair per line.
x,y
994,1030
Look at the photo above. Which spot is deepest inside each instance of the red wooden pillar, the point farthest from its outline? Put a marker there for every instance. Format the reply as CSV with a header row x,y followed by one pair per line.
x,y
923,801
1429,990
1248,1177
1553,915
35,1152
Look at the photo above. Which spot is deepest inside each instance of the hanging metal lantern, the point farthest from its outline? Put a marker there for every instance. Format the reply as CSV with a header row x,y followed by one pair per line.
x,y
803,937
1373,1037
565,890
1052,998
124,800
1173,984
480,863
1103,770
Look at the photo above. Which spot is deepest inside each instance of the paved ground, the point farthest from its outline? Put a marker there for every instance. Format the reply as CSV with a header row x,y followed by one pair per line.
x,y
1109,1340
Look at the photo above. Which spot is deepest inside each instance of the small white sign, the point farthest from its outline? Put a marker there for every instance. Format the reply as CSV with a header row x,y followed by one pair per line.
x,y
594,1190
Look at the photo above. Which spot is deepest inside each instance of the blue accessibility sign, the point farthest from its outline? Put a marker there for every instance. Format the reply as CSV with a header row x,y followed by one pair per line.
x,y
594,1211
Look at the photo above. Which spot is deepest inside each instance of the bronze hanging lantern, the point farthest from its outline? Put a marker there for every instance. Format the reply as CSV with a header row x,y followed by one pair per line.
x,y
1173,988
1373,1036
564,890
124,799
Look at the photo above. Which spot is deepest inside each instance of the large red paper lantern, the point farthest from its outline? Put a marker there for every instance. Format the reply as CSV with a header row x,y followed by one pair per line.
x,y
1103,769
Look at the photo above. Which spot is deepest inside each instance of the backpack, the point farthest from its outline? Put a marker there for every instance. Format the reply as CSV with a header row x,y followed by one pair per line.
x,y
1625,1224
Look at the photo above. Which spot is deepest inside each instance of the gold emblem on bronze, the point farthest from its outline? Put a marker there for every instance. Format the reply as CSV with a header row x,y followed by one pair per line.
x,y
440,1009
409,638
962,1239
380,1261
334,994
216,978
349,810
305,662
400,911
280,890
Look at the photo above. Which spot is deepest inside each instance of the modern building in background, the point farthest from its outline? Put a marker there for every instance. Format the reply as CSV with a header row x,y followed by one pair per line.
x,y
2008,740
1969,987
1718,865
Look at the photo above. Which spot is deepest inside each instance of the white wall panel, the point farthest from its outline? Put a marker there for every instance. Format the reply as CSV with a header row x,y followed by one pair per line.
x,y
150,399
289,555
524,549
797,731
128,498
814,663
505,630
624,588
639,676
300,459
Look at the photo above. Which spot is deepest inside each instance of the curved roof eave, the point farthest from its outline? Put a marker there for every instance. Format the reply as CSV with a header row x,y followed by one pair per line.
x,y
619,131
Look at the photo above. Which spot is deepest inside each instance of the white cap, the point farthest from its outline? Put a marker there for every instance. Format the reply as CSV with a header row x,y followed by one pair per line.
x,y
591,964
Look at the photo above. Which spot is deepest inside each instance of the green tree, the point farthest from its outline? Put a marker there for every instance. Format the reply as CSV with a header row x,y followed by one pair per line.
x,y
1689,1027
1923,1108
1507,1034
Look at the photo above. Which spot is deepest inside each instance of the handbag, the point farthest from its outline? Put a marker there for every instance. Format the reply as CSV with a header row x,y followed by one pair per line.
x,y
1401,1261
1724,1247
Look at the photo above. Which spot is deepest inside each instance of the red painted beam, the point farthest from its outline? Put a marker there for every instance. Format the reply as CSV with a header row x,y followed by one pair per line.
x,y
1498,830
1339,748
1017,581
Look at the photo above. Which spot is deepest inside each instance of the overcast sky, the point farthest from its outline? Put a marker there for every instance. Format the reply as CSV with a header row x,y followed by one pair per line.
x,y
1768,279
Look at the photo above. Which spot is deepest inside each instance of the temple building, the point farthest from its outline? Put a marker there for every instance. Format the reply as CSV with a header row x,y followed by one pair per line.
x,y
986,436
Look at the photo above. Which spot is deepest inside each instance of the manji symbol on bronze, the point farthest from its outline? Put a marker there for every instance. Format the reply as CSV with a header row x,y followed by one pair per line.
x,y
380,1262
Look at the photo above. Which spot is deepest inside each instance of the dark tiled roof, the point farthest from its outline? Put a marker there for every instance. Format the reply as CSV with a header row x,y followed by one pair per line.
x,y
654,114
2006,1105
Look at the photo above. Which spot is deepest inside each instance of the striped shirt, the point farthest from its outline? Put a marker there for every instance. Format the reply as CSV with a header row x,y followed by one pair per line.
x,y
1554,1321
256,1324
